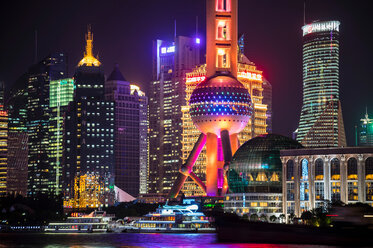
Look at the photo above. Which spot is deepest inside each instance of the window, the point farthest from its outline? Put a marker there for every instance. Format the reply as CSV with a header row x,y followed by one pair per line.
x,y
352,191
222,60
336,191
319,169
290,170
319,191
223,5
369,168
303,186
335,169
352,169
223,30
290,191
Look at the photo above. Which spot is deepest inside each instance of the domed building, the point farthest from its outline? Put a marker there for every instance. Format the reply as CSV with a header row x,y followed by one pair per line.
x,y
255,175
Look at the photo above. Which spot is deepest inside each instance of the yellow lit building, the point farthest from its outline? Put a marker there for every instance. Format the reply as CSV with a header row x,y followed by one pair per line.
x,y
3,150
89,191
252,79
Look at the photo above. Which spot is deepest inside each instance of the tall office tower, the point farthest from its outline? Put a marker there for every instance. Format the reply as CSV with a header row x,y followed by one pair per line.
x,y
366,131
127,135
252,79
61,93
267,100
321,121
3,143
17,157
89,137
171,60
40,173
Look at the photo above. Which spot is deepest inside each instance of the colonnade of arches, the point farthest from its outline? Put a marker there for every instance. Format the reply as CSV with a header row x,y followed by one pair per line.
x,y
310,184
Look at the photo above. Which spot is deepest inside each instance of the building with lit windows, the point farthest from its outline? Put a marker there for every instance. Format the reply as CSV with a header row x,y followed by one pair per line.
x,y
321,120
252,79
267,100
315,177
3,143
41,177
130,134
365,131
61,93
255,176
171,60
88,134
17,156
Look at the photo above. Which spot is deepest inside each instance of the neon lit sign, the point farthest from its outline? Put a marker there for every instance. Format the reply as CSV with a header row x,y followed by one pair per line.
x,y
170,49
321,27
250,75
195,79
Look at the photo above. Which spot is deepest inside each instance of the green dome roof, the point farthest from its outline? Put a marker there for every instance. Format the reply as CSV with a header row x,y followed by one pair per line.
x,y
256,166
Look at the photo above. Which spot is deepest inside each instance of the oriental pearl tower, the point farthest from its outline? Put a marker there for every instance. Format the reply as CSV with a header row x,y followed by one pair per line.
x,y
220,106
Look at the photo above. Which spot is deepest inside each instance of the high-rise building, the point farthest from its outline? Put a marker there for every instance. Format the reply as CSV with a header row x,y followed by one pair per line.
x,y
321,121
61,93
41,176
88,136
366,131
267,100
171,60
17,157
129,134
3,142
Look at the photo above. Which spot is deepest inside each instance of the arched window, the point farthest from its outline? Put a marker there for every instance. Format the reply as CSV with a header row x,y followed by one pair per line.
x,y
303,190
290,170
319,169
304,170
352,169
369,168
223,5
335,169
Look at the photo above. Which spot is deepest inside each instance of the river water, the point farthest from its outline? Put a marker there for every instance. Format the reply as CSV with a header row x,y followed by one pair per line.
x,y
110,240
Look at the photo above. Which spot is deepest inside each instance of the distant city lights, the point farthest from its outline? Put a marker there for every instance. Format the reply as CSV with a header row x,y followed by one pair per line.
x,y
195,79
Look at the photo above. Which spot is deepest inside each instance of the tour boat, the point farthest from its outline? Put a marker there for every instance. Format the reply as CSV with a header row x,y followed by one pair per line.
x,y
173,219
96,221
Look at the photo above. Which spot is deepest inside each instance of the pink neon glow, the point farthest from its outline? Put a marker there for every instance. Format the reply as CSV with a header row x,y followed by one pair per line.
x,y
220,182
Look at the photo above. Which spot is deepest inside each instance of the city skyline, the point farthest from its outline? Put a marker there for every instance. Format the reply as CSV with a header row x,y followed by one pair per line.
x,y
134,56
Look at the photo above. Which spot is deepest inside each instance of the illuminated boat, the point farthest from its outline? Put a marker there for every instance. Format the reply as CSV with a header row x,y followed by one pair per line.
x,y
96,221
172,219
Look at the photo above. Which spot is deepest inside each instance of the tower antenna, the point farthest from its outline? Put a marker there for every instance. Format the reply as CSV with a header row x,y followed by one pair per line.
x,y
304,12
175,30
196,26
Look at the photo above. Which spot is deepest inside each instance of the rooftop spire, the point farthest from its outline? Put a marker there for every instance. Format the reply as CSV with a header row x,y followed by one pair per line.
x,y
89,59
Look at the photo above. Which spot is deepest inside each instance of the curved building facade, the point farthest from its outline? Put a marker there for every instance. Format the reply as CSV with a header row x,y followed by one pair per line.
x,y
321,121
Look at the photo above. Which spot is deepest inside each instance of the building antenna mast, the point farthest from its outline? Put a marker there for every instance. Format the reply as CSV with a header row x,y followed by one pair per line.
x,y
175,31
304,12
196,26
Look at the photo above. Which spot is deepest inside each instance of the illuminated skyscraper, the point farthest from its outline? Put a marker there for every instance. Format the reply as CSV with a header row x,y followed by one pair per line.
x,y
3,143
17,157
267,100
40,172
321,121
61,93
366,131
130,136
89,135
171,60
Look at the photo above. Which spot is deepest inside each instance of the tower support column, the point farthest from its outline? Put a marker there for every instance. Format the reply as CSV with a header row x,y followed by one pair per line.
x,y
211,165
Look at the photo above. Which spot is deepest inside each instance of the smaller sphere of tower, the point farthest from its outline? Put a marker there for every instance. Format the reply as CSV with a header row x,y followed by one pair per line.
x,y
219,103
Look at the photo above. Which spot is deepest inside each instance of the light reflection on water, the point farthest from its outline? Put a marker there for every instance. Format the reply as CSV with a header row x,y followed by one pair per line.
x,y
124,240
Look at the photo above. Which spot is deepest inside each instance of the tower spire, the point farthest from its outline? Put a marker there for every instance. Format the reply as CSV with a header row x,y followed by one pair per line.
x,y
89,59
89,39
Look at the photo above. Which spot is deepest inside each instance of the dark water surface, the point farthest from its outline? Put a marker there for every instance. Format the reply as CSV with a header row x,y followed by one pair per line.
x,y
109,240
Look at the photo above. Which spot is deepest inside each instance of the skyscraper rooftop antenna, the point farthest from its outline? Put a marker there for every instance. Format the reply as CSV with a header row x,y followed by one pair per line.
x,y
196,26
175,30
304,12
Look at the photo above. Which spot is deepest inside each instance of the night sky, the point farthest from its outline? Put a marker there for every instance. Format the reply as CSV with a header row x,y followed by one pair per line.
x,y
124,30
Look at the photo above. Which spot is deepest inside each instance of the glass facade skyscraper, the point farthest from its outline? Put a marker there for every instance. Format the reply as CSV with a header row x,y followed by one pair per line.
x,y
321,121
366,131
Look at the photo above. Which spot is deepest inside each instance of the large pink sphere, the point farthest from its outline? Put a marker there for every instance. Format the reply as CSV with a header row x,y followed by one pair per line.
x,y
219,103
